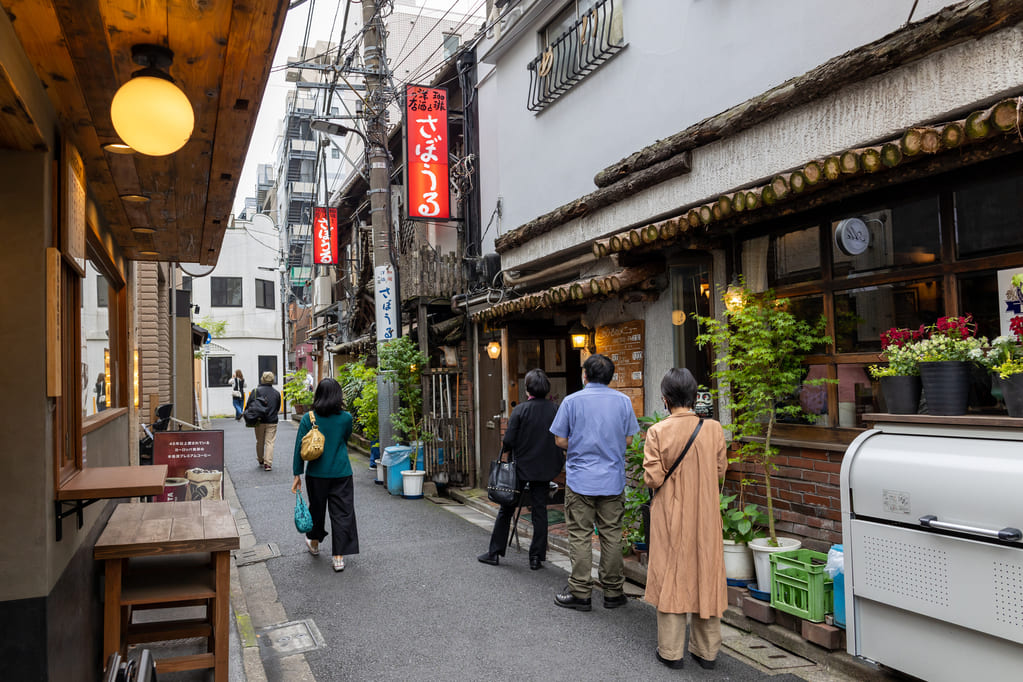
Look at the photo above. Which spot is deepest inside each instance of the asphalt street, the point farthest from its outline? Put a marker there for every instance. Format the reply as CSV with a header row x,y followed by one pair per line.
x,y
415,603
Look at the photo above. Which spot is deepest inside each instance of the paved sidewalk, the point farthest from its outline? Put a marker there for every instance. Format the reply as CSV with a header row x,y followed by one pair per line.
x,y
415,603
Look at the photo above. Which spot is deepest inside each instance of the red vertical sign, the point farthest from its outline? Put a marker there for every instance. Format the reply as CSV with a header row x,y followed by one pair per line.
x,y
426,153
324,236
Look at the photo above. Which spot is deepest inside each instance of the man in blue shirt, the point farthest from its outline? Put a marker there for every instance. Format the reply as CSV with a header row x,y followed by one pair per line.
x,y
595,425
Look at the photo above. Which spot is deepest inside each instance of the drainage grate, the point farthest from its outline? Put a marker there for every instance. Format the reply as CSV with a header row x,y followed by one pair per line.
x,y
766,654
256,553
287,639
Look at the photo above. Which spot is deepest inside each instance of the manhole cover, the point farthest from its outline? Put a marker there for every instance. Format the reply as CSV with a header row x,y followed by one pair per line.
x,y
766,654
288,639
256,553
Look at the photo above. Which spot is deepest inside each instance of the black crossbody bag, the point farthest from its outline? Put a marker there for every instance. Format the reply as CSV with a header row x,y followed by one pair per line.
x,y
678,461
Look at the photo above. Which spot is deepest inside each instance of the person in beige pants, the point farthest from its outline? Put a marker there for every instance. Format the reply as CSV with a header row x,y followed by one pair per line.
x,y
266,429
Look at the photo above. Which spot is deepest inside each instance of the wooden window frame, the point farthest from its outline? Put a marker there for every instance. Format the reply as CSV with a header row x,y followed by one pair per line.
x,y
946,272
70,425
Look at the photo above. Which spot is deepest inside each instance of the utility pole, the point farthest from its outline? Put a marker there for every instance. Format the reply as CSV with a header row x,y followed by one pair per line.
x,y
387,298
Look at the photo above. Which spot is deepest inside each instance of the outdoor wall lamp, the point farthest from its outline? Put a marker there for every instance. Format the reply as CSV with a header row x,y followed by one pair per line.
x,y
579,336
734,297
150,113
494,350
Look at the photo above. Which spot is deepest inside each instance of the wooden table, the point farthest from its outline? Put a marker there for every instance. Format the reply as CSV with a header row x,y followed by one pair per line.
x,y
147,550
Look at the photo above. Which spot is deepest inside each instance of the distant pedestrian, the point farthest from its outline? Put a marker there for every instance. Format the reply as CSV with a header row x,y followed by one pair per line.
x,y
686,575
269,400
237,384
537,461
101,392
595,425
328,478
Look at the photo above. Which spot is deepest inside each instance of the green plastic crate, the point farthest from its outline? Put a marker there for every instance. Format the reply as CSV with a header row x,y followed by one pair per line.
x,y
799,584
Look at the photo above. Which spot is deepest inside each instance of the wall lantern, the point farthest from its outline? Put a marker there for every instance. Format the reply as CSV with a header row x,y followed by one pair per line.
x,y
149,112
579,335
734,296
494,350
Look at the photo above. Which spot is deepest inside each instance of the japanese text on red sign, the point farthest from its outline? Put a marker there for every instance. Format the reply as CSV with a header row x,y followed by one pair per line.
x,y
426,119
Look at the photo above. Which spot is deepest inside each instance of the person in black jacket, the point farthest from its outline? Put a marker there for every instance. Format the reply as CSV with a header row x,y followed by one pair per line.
x,y
266,429
537,461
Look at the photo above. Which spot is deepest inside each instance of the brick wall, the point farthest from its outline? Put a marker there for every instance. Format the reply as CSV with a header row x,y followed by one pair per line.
x,y
805,488
152,321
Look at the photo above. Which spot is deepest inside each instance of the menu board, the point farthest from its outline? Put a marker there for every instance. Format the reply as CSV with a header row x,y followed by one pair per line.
x,y
623,343
195,465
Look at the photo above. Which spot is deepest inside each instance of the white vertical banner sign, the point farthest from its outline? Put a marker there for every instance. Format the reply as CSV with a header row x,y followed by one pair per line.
x,y
386,308
1010,302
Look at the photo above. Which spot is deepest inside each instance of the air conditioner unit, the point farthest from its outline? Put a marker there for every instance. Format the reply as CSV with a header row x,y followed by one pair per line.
x,y
322,298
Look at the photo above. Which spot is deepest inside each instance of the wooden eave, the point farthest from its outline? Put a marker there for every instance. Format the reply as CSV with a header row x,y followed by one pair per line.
x,y
581,291
920,151
81,52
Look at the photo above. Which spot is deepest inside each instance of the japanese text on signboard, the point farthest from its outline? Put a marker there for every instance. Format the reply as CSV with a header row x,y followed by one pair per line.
x,y
387,311
426,120
324,236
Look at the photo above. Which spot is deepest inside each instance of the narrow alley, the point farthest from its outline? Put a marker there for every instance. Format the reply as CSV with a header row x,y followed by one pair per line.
x,y
415,603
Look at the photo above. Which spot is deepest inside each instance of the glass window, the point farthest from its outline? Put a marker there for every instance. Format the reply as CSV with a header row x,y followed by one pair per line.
x,y
186,283
980,297
218,371
690,295
102,291
989,216
97,388
791,257
226,291
451,43
335,153
264,294
862,314
268,363
905,234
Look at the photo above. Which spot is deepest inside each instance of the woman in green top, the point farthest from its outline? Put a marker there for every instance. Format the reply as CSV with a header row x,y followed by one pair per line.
x,y
329,477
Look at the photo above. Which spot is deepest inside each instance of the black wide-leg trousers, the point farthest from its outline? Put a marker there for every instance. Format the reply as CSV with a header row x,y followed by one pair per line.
x,y
336,495
538,492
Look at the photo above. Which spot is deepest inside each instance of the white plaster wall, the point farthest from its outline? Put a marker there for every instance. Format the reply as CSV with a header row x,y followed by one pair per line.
x,y
249,253
933,89
685,60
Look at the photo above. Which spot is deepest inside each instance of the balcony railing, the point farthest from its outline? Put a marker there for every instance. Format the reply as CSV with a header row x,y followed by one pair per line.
x,y
426,273
588,43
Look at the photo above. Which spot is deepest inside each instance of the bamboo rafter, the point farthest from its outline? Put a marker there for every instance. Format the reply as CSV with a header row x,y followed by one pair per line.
x,y
915,143
579,291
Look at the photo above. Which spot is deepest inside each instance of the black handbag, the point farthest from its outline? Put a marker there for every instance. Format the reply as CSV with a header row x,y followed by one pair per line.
x,y
503,484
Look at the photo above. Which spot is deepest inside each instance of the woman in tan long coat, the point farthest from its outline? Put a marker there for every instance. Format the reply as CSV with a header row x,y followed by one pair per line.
x,y
686,574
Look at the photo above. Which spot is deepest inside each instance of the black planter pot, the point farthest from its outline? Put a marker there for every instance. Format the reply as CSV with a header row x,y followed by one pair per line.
x,y
901,394
946,386
1012,393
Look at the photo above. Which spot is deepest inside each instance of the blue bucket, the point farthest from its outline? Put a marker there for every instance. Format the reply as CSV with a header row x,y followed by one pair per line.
x,y
397,459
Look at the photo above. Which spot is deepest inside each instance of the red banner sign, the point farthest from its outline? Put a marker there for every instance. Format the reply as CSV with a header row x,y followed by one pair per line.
x,y
426,154
324,236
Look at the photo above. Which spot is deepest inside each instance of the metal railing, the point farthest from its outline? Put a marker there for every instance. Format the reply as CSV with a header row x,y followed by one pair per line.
x,y
587,44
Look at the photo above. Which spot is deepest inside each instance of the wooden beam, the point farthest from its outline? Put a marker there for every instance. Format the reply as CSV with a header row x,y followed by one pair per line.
x,y
17,129
255,31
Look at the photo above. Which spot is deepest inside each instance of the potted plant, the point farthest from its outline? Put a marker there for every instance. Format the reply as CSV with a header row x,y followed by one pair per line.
x,y
1005,359
406,362
296,392
740,525
759,347
945,357
900,378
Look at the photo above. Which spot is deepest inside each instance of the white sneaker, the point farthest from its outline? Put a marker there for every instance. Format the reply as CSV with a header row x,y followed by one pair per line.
x,y
314,546
338,564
